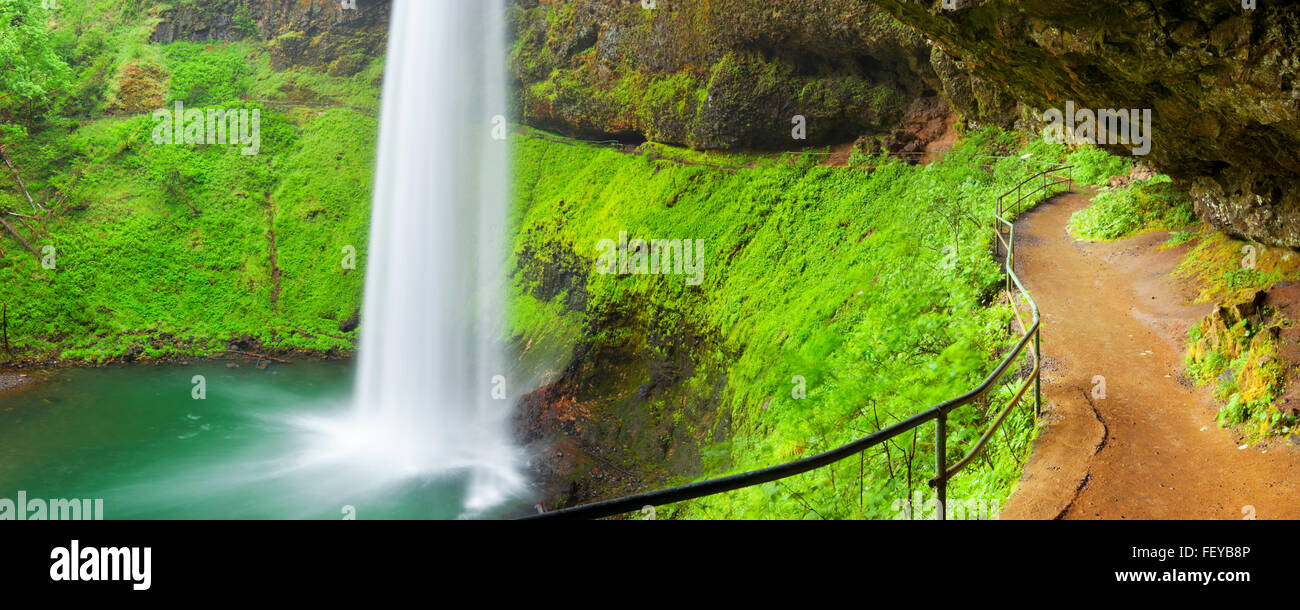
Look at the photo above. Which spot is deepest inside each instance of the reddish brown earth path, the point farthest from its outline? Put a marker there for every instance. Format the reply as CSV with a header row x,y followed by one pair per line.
x,y
1150,449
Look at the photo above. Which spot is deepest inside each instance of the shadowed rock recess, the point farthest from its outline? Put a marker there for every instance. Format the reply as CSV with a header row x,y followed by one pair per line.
x,y
721,74
1221,82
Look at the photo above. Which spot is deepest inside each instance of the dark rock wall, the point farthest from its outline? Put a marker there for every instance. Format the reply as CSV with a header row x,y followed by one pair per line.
x,y
603,426
318,33
716,73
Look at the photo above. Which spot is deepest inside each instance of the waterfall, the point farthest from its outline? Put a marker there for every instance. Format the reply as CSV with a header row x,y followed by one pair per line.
x,y
430,333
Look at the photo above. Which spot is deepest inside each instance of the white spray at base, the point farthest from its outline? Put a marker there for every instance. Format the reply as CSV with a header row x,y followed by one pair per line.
x,y
430,331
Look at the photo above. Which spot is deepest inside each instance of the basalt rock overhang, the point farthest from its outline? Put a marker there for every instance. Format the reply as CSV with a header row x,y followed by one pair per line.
x,y
340,37
1220,80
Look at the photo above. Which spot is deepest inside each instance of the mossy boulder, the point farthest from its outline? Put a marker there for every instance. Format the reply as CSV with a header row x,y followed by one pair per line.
x,y
142,88
289,49
1237,347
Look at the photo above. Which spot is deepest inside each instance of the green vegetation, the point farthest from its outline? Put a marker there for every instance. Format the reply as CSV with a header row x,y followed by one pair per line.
x,y
1226,270
1137,206
1125,210
834,301
1236,347
1178,238
1222,269
1093,166
199,78
30,71
836,276
173,250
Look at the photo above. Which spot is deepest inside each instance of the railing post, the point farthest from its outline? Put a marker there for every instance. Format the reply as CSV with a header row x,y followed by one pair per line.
x,y
940,465
1038,368
1010,266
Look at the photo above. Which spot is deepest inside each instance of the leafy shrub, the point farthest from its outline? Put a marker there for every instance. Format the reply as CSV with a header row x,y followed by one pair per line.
x,y
203,77
1123,211
1094,166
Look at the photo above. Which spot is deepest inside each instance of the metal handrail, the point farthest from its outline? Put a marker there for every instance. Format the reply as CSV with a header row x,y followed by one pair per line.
x,y
1047,181
937,413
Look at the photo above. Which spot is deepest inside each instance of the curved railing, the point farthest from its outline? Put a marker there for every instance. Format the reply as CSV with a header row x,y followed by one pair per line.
x,y
1040,182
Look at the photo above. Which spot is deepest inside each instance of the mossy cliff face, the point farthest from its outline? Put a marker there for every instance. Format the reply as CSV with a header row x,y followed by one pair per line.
x,y
716,74
319,34
617,415
1221,82
823,309
1237,346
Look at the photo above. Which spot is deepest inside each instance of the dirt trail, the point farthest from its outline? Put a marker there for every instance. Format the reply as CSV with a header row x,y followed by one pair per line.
x,y
1150,449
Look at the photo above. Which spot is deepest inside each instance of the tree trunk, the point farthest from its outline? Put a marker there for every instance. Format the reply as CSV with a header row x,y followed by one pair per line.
x,y
22,185
4,327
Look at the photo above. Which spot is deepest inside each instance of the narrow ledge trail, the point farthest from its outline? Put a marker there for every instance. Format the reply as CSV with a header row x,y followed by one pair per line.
x,y
1150,449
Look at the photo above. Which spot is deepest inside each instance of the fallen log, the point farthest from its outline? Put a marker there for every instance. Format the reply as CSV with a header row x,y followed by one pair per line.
x,y
21,240
255,355
22,185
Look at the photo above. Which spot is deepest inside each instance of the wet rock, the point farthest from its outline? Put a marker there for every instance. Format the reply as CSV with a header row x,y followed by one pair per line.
x,y
720,75
12,381
976,100
1227,316
1141,172
132,353
351,323
243,342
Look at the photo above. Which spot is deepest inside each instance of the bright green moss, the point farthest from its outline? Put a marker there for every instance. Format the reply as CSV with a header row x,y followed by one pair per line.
x,y
167,250
830,274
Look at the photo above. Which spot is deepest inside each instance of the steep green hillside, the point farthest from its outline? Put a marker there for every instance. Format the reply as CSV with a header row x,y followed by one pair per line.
x,y
870,287
171,250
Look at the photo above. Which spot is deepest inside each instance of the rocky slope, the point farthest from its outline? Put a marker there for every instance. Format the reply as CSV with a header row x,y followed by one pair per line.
x,y
1221,82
